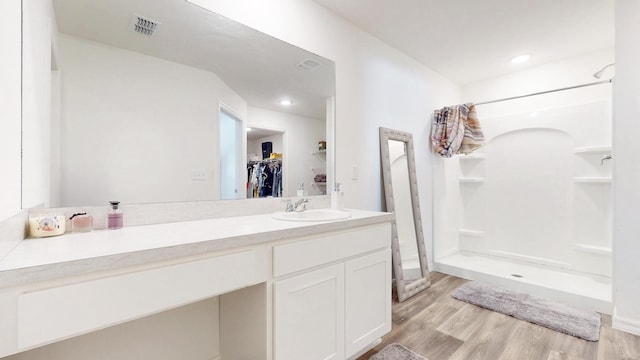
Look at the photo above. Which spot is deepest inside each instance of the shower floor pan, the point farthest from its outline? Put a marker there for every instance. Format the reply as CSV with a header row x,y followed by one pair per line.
x,y
585,291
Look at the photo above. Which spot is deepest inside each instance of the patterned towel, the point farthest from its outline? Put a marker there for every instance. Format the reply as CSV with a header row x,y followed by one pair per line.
x,y
456,130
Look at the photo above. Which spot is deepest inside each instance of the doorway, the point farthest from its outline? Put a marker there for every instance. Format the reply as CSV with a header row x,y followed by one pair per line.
x,y
265,161
231,150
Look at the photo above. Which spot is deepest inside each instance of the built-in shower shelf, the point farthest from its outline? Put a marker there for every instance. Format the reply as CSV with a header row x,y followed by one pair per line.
x,y
471,180
601,250
471,157
592,149
469,232
592,180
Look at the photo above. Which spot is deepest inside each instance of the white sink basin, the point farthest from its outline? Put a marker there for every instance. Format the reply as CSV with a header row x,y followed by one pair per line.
x,y
312,215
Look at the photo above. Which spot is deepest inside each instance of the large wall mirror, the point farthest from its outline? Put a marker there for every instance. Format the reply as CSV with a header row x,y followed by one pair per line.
x,y
410,265
180,110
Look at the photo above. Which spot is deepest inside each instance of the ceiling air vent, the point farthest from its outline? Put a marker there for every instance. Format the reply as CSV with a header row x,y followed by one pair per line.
x,y
308,64
143,25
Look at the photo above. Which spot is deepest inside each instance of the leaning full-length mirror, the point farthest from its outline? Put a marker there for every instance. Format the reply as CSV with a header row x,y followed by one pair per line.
x,y
410,264
139,91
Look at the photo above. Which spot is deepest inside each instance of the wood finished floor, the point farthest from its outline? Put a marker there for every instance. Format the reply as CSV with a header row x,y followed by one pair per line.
x,y
439,327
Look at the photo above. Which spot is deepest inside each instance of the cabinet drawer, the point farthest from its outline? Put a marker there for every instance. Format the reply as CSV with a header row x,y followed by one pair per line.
x,y
62,312
304,254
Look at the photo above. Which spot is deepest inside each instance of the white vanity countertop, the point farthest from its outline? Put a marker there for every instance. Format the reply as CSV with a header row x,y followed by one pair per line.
x,y
42,259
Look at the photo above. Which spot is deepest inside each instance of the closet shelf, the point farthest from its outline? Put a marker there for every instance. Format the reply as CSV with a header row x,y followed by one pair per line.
x,y
320,152
469,232
601,250
592,149
592,180
471,180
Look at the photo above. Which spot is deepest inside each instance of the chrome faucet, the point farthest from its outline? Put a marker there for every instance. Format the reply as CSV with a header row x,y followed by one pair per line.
x,y
300,205
289,206
606,157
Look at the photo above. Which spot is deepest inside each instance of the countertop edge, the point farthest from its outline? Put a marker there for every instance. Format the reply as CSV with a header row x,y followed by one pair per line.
x,y
85,266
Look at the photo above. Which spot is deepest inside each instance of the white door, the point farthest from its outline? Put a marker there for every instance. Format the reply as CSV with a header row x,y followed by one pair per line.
x,y
368,300
231,145
309,315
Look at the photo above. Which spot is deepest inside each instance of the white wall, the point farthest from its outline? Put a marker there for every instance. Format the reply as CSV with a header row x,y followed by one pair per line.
x,y
39,33
55,163
300,141
626,169
135,126
10,103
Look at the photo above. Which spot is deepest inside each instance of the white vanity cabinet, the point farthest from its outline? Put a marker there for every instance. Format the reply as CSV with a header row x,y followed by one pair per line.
x,y
309,315
367,300
293,291
58,312
332,294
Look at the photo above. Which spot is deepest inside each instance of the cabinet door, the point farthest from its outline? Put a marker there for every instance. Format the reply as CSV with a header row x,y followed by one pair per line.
x,y
368,300
309,315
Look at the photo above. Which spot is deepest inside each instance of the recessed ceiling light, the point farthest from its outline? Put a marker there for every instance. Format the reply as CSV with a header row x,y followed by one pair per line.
x,y
520,59
286,102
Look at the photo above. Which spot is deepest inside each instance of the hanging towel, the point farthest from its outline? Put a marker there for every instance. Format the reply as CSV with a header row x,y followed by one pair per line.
x,y
456,130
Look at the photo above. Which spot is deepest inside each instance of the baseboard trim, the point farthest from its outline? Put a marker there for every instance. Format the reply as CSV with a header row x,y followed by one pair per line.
x,y
625,324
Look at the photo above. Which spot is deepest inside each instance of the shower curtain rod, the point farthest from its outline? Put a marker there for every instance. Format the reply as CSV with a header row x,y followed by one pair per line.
x,y
545,92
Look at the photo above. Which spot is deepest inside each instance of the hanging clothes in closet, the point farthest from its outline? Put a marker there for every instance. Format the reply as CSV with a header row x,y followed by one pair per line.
x,y
264,178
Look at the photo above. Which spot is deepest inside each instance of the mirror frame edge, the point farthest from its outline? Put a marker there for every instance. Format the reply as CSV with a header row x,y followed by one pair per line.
x,y
404,290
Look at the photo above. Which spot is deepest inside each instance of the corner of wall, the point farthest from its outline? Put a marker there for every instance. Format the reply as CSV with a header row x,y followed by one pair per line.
x,y
12,231
625,324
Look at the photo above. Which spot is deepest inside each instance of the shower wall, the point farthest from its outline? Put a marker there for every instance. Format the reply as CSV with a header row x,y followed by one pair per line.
x,y
536,192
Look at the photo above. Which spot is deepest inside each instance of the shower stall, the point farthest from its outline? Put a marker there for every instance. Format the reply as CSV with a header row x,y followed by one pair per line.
x,y
531,210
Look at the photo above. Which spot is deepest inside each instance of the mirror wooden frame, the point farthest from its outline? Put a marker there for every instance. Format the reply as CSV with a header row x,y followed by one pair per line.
x,y
404,288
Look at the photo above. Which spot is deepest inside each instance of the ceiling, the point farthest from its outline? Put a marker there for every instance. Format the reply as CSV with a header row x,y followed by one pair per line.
x,y
470,40
260,68
258,133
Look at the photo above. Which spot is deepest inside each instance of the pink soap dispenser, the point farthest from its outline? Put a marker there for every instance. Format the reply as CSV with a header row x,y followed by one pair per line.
x,y
114,218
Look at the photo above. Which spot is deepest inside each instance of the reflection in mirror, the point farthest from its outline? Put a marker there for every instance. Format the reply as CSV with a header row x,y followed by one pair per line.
x,y
403,209
260,143
401,194
230,144
137,117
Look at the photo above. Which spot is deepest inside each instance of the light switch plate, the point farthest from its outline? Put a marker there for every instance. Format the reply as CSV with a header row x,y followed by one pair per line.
x,y
198,174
